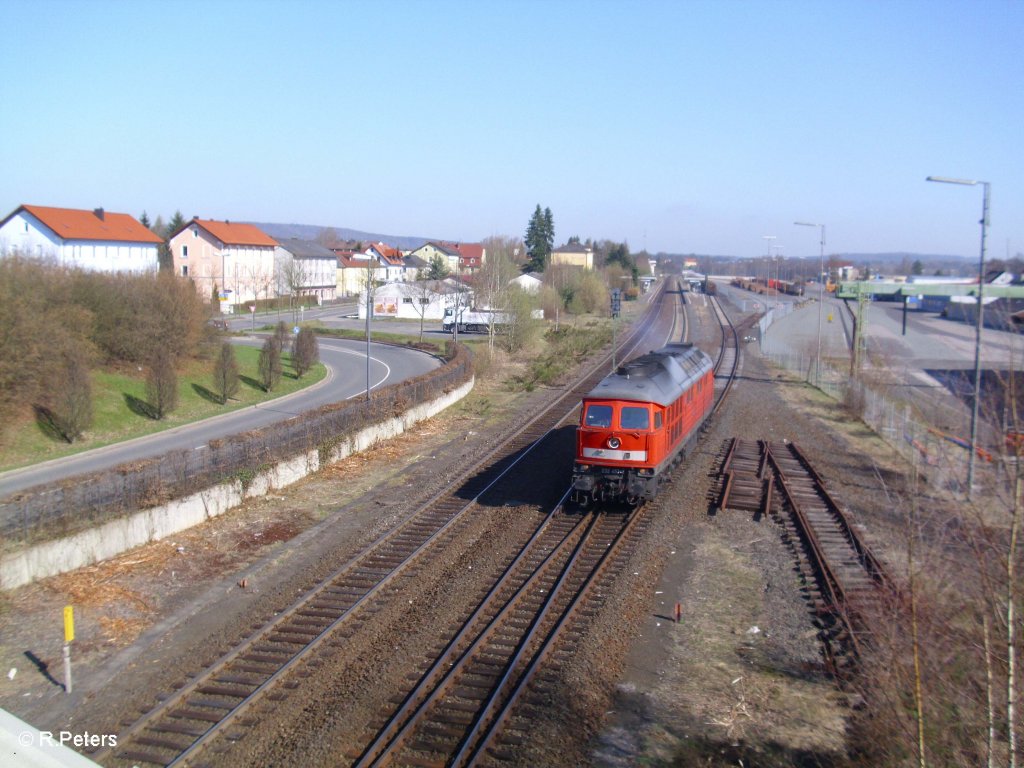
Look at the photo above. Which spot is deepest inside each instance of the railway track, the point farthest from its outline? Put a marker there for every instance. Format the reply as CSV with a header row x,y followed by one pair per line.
x,y
468,708
461,707
220,701
844,578
728,360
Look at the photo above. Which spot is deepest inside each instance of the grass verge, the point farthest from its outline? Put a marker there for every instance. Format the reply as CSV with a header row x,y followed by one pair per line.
x,y
117,415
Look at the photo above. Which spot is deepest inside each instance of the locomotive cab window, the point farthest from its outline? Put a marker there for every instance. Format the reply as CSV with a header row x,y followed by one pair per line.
x,y
635,418
598,416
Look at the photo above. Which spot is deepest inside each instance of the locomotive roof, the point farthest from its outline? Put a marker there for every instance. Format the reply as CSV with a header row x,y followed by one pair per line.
x,y
658,377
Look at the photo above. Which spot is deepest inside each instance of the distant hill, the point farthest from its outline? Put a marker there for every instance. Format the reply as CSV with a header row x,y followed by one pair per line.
x,y
311,231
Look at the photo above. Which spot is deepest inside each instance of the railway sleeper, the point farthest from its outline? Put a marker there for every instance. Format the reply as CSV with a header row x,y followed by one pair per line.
x,y
142,757
172,726
457,716
443,731
232,691
196,714
149,741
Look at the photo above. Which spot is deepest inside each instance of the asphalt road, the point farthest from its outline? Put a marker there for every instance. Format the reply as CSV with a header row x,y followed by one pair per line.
x,y
346,378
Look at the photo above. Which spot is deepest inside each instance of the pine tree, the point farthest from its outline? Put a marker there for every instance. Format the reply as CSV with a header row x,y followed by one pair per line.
x,y
540,239
166,258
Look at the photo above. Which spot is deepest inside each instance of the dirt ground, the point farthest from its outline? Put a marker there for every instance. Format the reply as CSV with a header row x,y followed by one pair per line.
x,y
739,678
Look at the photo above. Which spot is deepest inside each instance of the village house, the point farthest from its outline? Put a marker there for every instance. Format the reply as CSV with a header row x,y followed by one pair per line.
x,y
574,255
231,262
351,271
413,300
390,262
452,258
472,256
96,240
530,282
305,268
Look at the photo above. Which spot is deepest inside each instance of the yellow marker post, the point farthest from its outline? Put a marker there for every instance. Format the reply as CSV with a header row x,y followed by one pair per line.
x,y
69,636
69,623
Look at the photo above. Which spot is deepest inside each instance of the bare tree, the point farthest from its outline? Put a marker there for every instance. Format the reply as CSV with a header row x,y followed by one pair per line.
x,y
423,294
294,277
494,285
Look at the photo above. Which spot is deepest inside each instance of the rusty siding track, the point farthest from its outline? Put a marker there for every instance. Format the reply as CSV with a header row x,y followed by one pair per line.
x,y
187,720
848,579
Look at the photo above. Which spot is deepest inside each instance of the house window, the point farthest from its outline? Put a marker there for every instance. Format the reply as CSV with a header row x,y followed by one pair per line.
x,y
195,232
184,251
184,270
407,300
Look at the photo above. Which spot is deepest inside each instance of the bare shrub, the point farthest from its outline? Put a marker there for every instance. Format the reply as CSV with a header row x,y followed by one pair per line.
x,y
72,396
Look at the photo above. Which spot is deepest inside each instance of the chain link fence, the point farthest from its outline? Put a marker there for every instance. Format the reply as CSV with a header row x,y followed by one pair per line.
x,y
51,511
894,418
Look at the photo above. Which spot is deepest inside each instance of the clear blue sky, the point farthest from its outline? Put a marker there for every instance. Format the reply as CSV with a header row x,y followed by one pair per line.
x,y
679,126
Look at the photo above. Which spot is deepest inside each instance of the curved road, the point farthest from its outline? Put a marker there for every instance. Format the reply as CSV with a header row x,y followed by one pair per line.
x,y
346,378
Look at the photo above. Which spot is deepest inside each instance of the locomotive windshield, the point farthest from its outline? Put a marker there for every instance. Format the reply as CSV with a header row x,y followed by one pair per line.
x,y
634,418
598,416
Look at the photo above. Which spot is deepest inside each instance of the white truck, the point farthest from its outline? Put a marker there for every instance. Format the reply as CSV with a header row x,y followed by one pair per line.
x,y
474,321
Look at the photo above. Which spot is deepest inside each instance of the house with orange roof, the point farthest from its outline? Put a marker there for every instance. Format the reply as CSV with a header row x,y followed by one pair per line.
x,y
96,240
230,261
390,262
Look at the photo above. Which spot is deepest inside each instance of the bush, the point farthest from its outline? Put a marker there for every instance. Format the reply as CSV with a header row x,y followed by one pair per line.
x,y
225,373
162,384
305,351
270,366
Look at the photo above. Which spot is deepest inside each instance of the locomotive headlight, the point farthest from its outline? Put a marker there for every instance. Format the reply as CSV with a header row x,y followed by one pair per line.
x,y
614,442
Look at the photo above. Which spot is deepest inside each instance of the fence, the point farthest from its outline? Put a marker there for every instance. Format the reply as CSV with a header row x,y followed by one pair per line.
x,y
893,418
52,511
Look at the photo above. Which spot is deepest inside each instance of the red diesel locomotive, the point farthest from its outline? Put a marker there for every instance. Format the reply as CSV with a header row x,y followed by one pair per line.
x,y
636,425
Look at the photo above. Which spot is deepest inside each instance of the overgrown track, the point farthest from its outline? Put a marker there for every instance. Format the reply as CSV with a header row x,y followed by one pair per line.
x,y
844,578
189,719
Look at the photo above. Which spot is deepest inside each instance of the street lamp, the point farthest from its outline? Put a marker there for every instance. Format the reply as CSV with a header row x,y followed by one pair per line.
x,y
777,262
980,320
768,270
369,310
821,296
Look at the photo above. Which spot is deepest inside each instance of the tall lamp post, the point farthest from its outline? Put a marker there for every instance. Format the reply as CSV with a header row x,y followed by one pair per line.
x,y
768,271
980,319
369,314
821,296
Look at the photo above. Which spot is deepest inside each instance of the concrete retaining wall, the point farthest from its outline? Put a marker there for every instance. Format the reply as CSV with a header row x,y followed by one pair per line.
x,y
117,536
